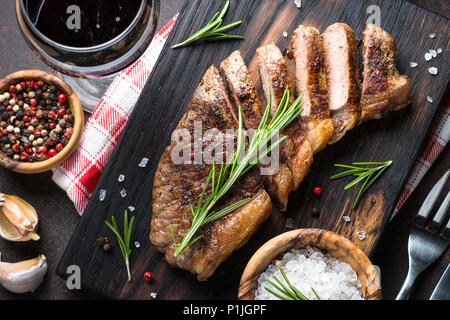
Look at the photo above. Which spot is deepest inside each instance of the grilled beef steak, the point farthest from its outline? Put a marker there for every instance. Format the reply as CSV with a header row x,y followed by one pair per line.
x,y
296,151
280,183
344,86
384,89
176,186
311,83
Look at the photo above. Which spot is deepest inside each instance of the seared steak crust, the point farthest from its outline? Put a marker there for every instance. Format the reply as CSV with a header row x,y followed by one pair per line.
x,y
344,85
384,89
280,183
311,83
296,151
176,186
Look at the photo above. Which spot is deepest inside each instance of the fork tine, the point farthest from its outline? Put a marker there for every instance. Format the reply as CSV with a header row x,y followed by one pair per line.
x,y
430,200
440,215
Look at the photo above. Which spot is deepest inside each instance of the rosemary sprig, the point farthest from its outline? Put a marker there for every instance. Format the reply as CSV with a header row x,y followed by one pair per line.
x,y
241,162
124,242
289,292
213,30
370,175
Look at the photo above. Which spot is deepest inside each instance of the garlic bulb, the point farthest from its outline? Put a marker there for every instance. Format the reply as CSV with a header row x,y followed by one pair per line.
x,y
18,219
24,276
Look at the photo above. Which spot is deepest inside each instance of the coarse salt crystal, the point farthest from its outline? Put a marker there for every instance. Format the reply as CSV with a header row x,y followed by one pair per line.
x,y
432,35
428,56
361,235
153,295
346,218
289,223
433,70
433,53
131,208
308,268
429,99
143,162
102,195
121,178
123,193
439,50
413,64
285,34
298,3
137,244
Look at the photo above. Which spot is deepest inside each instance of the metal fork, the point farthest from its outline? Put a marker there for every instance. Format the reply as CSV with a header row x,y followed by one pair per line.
x,y
425,246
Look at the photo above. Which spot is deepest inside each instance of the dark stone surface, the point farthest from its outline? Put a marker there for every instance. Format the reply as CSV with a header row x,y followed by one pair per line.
x,y
58,217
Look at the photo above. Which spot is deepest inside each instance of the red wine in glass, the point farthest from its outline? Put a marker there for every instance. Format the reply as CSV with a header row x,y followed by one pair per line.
x,y
88,39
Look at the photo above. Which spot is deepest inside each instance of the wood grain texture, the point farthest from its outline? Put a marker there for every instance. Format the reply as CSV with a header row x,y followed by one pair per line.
x,y
165,98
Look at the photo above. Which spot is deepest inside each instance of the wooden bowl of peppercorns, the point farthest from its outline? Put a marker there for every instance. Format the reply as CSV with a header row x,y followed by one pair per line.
x,y
41,121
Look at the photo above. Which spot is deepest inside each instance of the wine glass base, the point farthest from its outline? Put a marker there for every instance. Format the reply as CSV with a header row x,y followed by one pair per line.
x,y
89,91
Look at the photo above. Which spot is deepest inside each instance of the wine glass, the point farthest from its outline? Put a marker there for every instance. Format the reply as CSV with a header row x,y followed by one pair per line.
x,y
88,41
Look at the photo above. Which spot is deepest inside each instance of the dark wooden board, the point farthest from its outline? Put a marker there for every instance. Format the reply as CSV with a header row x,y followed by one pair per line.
x,y
164,100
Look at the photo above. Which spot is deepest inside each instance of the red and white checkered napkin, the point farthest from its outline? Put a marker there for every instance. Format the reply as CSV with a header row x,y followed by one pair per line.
x,y
79,175
437,139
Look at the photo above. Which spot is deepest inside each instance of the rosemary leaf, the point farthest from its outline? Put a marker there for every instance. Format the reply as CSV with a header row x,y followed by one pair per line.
x,y
123,241
285,293
242,161
213,30
369,175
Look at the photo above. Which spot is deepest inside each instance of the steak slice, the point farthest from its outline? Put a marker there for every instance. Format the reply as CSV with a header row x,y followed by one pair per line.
x,y
311,83
177,185
384,89
280,183
344,85
296,151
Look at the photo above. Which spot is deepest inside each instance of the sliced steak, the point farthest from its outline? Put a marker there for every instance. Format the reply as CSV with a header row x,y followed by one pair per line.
x,y
177,185
344,85
384,89
280,183
296,151
311,83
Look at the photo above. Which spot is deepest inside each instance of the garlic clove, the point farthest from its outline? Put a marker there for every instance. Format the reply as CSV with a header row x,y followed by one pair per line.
x,y
24,276
18,219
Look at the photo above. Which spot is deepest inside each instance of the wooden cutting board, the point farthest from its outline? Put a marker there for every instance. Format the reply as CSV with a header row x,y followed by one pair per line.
x,y
165,98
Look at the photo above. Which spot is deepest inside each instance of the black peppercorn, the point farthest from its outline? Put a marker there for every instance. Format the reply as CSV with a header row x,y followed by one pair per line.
x,y
315,212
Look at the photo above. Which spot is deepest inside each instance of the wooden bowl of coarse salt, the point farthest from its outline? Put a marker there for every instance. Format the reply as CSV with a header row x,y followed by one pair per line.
x,y
330,264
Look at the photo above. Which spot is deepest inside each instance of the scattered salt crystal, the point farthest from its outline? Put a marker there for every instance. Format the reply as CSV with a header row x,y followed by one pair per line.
x,y
428,56
137,244
361,235
433,53
121,178
439,50
433,70
102,195
429,99
123,193
289,223
143,162
346,218
308,268
131,208
285,34
298,3
153,295
432,35
413,64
